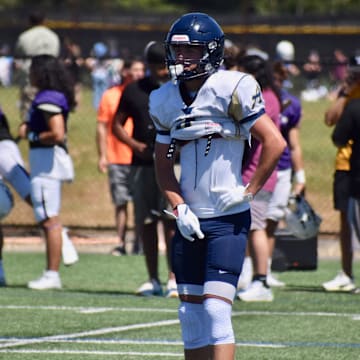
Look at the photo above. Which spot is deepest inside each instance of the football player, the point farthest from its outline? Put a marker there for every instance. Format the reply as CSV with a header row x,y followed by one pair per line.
x,y
208,115
12,171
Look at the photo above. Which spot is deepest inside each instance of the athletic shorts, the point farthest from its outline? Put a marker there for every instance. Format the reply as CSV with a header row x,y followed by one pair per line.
x,y
216,258
341,190
119,183
259,207
149,201
280,197
46,197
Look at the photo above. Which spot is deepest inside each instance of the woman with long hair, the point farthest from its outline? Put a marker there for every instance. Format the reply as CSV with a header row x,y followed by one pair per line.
x,y
50,163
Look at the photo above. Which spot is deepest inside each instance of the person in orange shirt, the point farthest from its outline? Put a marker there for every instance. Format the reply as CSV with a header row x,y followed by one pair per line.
x,y
114,156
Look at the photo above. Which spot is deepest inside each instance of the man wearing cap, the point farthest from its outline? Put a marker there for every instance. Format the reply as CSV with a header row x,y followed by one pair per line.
x,y
147,197
38,39
344,113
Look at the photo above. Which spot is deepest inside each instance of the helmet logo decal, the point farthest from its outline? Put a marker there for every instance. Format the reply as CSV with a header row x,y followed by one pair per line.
x,y
212,45
180,38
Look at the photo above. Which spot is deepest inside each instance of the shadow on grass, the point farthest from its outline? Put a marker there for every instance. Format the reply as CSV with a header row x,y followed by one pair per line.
x,y
315,289
74,290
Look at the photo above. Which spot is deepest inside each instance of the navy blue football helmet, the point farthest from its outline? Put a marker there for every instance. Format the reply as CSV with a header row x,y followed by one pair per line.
x,y
195,29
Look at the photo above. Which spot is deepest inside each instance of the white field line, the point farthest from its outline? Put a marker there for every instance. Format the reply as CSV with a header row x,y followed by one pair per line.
x,y
139,342
86,310
9,343
89,310
89,333
95,352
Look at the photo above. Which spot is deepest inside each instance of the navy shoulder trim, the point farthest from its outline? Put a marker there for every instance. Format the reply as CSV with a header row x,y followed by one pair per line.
x,y
252,117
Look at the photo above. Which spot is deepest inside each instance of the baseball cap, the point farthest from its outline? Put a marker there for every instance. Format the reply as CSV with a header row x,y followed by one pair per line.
x,y
154,53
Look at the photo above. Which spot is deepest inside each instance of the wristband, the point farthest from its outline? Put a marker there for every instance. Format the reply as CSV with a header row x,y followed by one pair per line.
x,y
300,177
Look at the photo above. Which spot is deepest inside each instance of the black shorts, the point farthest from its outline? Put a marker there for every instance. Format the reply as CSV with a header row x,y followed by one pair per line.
x,y
341,190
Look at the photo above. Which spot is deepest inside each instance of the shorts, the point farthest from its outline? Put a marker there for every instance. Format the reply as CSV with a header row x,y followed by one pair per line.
x,y
149,201
280,197
46,197
119,183
259,207
341,190
218,257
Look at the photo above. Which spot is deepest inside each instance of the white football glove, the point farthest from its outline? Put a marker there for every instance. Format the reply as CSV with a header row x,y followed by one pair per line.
x,y
231,197
187,222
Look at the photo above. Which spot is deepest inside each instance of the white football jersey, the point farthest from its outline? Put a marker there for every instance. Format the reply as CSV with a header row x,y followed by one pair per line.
x,y
226,107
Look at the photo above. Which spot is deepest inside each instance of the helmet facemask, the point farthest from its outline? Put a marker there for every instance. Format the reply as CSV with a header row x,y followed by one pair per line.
x,y
180,67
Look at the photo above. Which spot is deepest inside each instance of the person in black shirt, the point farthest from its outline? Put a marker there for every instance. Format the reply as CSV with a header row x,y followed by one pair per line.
x,y
148,199
348,129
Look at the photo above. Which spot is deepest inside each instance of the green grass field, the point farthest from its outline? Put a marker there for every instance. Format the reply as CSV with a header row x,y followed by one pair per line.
x,y
96,315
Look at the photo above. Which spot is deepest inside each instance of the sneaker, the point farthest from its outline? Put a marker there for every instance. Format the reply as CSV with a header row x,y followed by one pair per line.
x,y
171,289
257,291
272,281
49,280
246,274
150,288
341,282
118,251
69,253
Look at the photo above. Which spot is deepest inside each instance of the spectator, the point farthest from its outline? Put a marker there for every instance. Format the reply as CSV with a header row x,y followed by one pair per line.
x,y
13,172
74,62
148,200
115,156
339,70
102,72
291,161
285,53
196,113
231,53
259,250
37,40
6,66
312,71
50,163
343,114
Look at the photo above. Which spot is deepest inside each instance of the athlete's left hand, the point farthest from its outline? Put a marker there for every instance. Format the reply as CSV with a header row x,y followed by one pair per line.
x,y
231,197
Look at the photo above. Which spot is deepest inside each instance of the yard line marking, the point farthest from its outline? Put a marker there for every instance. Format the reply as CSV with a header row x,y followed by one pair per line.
x,y
86,310
108,341
95,352
89,310
90,333
301,313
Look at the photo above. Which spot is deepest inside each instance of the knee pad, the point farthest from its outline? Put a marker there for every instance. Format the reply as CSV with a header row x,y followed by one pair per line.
x,y
193,325
218,314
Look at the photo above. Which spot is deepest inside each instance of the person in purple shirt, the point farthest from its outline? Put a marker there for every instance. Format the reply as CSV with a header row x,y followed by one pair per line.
x,y
50,163
291,162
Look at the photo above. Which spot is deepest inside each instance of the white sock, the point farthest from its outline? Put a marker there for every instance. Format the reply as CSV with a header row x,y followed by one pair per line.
x,y
52,273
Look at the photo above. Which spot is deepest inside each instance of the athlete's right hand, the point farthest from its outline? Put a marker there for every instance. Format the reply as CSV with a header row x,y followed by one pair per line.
x,y
187,222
